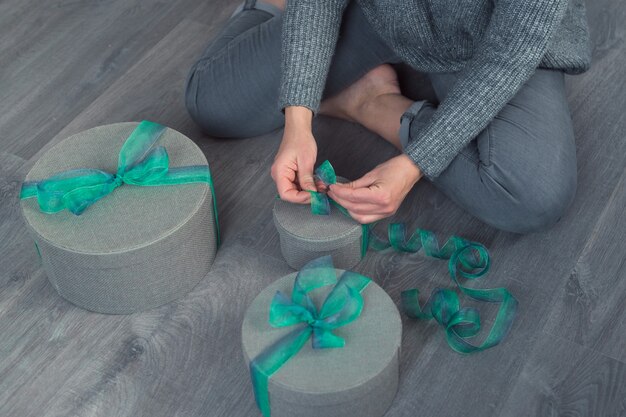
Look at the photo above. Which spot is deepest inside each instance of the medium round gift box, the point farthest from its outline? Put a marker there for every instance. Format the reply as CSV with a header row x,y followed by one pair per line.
x,y
358,380
305,236
136,248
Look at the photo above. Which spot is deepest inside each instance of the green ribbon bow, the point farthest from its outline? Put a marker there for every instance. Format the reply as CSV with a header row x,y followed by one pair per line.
x,y
140,163
342,306
320,202
467,259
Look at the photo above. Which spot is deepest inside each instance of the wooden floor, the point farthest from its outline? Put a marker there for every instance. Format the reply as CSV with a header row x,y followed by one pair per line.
x,y
68,65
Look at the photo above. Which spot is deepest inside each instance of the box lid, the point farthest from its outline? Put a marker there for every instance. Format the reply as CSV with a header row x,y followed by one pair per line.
x,y
131,217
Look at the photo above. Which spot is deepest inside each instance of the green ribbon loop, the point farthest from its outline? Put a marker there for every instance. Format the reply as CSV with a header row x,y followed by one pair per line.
x,y
469,260
140,163
342,306
320,202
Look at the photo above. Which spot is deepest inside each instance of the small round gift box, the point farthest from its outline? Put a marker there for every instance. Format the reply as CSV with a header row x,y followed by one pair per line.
x,y
123,216
305,236
323,342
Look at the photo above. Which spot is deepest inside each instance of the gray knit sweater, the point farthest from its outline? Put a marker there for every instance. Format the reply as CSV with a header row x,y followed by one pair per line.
x,y
495,44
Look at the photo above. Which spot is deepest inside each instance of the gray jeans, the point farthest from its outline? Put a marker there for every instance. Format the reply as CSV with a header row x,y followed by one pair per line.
x,y
518,174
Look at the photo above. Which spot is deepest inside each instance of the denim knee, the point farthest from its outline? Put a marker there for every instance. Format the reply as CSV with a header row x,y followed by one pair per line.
x,y
208,114
222,109
232,90
542,203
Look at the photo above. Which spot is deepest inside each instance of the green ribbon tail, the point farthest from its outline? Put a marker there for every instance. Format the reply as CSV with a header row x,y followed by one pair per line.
x,y
28,190
192,174
268,362
499,330
365,239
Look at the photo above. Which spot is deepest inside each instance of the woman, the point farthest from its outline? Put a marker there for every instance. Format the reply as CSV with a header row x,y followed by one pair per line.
x,y
499,143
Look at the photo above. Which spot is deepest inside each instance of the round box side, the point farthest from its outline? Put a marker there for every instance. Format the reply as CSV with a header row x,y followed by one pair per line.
x,y
298,253
377,396
304,236
173,269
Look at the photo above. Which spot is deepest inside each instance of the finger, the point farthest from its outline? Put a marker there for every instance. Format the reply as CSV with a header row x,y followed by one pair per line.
x,y
358,207
344,193
321,186
298,197
305,175
369,209
362,208
365,181
288,191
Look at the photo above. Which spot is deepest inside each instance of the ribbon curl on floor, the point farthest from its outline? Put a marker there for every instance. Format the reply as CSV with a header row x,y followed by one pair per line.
x,y
342,306
140,163
468,259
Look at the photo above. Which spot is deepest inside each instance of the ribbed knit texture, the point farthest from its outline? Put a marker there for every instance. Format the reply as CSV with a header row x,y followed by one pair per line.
x,y
495,49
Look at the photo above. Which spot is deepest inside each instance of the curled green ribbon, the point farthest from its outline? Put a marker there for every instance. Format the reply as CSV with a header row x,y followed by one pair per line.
x,y
342,306
468,259
140,162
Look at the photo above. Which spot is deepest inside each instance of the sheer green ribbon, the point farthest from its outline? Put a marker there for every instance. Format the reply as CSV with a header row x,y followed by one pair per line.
x,y
140,163
320,202
342,306
469,260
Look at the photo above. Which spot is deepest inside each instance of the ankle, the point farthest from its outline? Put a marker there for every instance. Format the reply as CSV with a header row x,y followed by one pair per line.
x,y
278,3
368,108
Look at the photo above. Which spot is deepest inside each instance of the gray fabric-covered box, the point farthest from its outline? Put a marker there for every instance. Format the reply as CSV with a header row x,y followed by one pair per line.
x,y
136,248
305,236
358,380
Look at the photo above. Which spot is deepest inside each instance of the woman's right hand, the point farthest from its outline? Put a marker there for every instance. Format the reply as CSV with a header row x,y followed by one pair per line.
x,y
292,170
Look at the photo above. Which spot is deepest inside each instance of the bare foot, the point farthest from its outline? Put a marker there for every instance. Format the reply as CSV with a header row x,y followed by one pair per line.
x,y
278,3
352,102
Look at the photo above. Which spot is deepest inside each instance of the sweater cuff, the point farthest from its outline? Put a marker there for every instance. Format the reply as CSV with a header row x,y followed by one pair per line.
x,y
309,104
423,149
423,153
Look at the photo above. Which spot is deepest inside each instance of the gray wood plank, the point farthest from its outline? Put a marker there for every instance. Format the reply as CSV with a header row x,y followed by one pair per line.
x,y
590,309
562,378
18,256
60,56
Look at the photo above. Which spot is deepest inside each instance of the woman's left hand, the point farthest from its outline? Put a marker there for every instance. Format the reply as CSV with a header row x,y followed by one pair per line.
x,y
379,193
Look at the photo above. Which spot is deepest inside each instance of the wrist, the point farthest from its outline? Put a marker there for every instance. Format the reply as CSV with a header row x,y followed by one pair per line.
x,y
410,168
298,117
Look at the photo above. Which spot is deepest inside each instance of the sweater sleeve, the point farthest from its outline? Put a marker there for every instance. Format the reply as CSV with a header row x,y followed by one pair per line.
x,y
508,54
309,36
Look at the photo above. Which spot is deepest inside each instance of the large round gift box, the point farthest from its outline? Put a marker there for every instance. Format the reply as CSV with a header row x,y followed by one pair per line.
x,y
358,380
136,248
305,236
